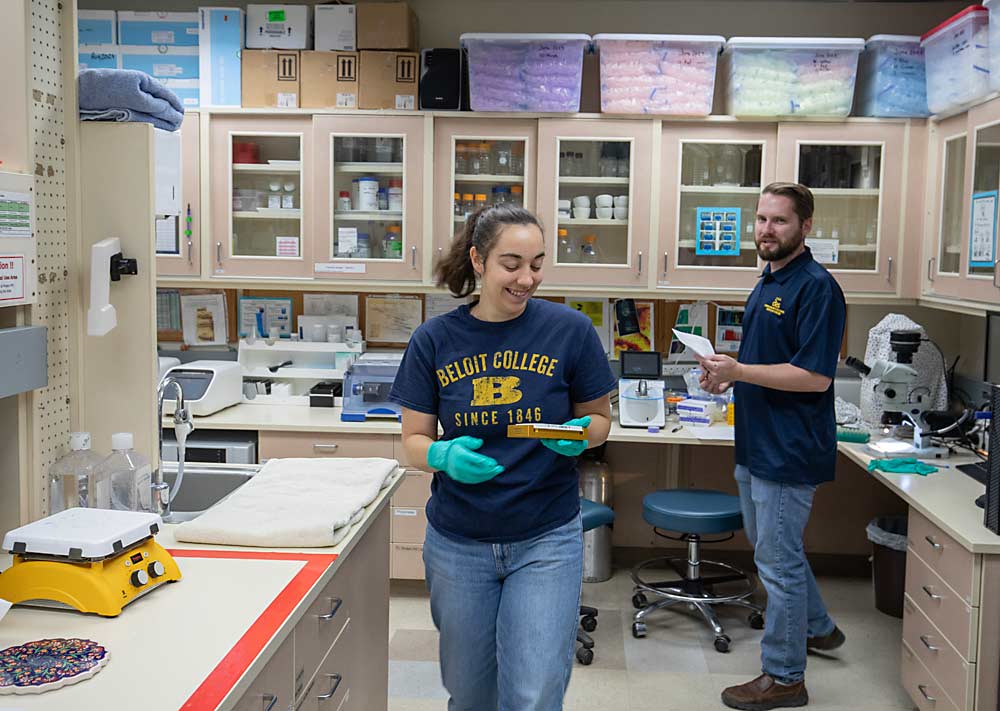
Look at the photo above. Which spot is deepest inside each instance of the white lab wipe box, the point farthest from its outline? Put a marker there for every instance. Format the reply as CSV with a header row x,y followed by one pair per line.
x,y
278,27
220,71
658,74
99,56
96,27
336,28
790,76
957,57
175,29
163,62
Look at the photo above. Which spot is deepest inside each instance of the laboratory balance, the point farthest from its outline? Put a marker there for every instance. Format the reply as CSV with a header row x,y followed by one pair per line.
x,y
90,560
640,390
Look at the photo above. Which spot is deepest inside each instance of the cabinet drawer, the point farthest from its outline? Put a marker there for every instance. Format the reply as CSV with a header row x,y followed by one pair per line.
x,y
415,489
921,686
945,557
955,675
319,628
407,561
408,525
942,606
330,689
272,689
317,444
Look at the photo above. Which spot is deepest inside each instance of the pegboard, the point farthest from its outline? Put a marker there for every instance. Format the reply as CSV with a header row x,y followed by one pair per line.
x,y
50,416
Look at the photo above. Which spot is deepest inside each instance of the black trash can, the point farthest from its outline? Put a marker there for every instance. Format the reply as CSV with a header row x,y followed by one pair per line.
x,y
888,537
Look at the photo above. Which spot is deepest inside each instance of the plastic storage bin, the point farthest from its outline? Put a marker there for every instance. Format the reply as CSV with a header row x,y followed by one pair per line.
x,y
994,41
790,76
658,74
891,77
957,56
525,72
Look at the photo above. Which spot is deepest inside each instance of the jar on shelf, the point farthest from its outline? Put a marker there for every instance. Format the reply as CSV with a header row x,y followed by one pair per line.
x,y
395,194
517,195
568,251
485,159
517,159
364,250
383,199
608,163
480,201
588,251
344,201
623,160
501,156
367,194
457,205
468,203
392,245
274,195
383,149
461,159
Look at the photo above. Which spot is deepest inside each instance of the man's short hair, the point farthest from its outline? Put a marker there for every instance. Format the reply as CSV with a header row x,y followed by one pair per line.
x,y
800,195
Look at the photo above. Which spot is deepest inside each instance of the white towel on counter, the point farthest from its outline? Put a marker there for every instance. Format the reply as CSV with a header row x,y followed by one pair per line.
x,y
293,503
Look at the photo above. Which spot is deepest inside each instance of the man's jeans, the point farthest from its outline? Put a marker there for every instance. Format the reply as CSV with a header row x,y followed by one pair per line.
x,y
507,614
774,517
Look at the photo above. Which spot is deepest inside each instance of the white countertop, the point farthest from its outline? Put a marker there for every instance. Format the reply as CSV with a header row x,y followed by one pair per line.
x,y
166,643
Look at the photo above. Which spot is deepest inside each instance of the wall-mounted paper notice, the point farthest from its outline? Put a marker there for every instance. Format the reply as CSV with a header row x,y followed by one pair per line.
x,y
204,319
983,230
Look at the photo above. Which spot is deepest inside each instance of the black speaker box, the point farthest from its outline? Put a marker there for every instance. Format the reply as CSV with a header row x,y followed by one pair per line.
x,y
441,79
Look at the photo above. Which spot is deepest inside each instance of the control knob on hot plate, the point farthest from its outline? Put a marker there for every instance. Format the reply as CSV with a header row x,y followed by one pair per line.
x,y
139,578
156,569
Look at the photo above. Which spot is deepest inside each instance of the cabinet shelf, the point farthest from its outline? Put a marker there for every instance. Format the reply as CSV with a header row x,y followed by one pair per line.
x,y
588,222
721,189
269,214
846,192
467,178
285,169
591,180
375,216
291,373
383,168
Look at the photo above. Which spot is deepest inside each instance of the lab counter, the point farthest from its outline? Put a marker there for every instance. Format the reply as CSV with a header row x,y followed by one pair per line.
x,y
236,629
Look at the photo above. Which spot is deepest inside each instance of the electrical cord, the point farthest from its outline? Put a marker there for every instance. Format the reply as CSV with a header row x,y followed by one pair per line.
x,y
944,368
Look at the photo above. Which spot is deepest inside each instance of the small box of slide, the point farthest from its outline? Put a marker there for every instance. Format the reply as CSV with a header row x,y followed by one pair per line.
x,y
540,431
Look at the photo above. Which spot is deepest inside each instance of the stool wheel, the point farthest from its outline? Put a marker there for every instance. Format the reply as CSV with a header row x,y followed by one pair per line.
x,y
589,623
639,601
756,621
638,630
585,656
722,643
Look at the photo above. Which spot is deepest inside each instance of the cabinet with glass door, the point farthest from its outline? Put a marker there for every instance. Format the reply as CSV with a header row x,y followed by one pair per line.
x,y
594,182
855,172
949,145
368,179
260,181
712,177
178,238
980,265
479,162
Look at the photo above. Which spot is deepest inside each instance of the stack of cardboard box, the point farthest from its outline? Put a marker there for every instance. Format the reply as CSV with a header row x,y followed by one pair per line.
x,y
390,65
275,34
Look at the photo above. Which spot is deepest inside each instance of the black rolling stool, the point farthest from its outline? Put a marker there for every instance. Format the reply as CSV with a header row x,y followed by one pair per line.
x,y
693,513
593,515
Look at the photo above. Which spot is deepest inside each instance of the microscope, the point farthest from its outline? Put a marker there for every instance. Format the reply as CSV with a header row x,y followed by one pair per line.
x,y
895,378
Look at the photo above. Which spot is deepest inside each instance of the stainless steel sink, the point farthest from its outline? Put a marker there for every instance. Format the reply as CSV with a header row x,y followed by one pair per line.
x,y
204,485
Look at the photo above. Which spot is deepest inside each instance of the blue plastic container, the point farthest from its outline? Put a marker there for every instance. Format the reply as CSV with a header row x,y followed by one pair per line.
x,y
892,79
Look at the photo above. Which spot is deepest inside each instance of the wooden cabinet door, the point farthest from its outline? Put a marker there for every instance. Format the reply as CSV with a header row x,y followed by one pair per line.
x,y
186,262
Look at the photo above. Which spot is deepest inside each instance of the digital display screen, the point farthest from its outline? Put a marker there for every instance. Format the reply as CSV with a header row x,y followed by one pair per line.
x,y
136,558
640,364
194,383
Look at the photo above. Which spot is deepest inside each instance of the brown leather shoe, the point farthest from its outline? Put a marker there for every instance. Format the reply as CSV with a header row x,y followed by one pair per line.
x,y
828,642
765,693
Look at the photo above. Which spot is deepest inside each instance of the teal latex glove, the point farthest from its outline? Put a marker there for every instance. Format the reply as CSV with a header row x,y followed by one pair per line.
x,y
456,459
569,447
902,466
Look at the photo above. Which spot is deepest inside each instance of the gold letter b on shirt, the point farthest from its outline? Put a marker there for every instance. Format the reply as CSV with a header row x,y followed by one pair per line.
x,y
495,390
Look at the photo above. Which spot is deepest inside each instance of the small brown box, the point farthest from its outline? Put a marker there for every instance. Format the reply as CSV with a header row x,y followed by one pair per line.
x,y
329,80
540,431
387,25
388,80
270,78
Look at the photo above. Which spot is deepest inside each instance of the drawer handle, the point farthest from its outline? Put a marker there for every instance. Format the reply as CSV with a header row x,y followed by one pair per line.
x,y
923,638
934,544
923,690
270,700
324,447
930,593
335,603
337,678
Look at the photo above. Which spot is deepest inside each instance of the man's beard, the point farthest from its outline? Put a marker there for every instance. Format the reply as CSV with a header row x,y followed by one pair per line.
x,y
782,251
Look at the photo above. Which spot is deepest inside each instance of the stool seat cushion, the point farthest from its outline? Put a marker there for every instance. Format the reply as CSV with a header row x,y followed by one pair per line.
x,y
693,511
595,514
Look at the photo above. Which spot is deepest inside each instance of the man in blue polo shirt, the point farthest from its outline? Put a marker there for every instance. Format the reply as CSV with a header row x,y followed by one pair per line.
x,y
785,437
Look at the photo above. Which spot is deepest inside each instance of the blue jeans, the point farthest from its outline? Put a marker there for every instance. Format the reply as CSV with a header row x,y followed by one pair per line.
x,y
507,614
774,518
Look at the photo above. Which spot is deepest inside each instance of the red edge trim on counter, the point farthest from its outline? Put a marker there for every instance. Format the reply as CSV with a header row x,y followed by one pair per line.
x,y
227,672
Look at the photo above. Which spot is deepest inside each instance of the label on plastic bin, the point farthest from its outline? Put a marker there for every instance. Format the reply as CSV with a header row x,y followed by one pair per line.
x,y
162,37
167,70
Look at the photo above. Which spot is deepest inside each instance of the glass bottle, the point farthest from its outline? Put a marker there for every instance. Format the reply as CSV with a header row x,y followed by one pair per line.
x,y
588,252
501,154
517,195
579,166
480,201
517,159
458,205
130,474
623,160
468,204
608,163
392,245
383,149
485,159
364,246
347,153
461,160
729,165
473,160
383,199
700,173
751,167
568,252
563,164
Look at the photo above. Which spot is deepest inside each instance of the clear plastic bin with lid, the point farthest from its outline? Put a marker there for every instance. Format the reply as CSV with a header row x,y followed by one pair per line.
x,y
957,58
892,79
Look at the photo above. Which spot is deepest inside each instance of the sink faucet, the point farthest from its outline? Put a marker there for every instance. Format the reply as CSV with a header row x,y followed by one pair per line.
x,y
182,426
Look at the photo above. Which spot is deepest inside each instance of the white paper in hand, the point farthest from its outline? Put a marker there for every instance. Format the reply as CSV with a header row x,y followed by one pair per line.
x,y
698,344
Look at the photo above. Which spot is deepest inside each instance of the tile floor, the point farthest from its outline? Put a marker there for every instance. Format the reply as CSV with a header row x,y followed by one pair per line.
x,y
675,668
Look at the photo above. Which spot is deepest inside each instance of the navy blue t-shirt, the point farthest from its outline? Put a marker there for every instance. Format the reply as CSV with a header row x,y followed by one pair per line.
x,y
795,315
480,376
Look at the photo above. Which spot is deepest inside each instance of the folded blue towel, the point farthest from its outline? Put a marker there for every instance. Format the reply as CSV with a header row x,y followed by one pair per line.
x,y
128,95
